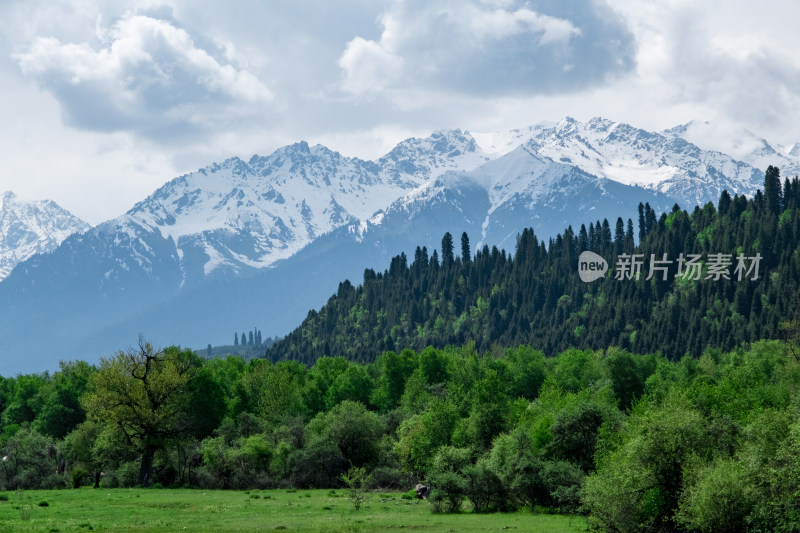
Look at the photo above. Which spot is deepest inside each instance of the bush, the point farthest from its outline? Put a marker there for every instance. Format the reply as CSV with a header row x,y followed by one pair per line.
x,y
125,475
447,492
484,489
410,495
77,476
31,461
719,500
355,480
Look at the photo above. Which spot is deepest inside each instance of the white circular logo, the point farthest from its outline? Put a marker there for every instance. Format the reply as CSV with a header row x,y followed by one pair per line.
x,y
591,266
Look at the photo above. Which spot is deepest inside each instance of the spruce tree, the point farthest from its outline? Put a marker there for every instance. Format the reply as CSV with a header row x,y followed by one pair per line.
x,y
772,189
447,249
724,204
642,226
619,236
465,252
629,242
583,239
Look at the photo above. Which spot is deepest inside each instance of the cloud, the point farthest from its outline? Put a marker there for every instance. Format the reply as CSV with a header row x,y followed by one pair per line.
x,y
733,61
146,76
488,49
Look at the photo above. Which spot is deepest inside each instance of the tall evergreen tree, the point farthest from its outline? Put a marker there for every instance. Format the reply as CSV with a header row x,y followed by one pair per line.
x,y
629,242
619,236
642,225
772,189
650,219
447,249
607,239
724,204
583,239
465,252
236,339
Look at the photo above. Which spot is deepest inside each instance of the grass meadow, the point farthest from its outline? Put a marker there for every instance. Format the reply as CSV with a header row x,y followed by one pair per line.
x,y
176,510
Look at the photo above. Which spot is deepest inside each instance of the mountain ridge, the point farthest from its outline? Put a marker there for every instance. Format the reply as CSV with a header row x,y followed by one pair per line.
x,y
29,228
198,244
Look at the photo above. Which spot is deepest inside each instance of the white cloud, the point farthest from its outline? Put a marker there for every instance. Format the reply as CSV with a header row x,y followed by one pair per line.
x,y
370,67
163,87
500,23
732,60
487,49
147,76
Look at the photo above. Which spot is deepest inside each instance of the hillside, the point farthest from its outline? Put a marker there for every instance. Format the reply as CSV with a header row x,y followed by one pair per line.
x,y
535,296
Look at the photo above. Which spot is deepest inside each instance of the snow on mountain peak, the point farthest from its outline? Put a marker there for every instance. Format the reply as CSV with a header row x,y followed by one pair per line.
x,y
248,214
666,163
28,228
238,215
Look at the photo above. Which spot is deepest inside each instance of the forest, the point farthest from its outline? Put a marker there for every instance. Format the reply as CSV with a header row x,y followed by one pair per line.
x,y
534,295
500,380
632,441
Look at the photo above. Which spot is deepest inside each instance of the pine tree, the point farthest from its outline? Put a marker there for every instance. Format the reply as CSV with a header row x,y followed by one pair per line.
x,y
447,249
772,189
724,204
607,239
650,219
642,226
465,252
629,243
236,339
583,239
619,236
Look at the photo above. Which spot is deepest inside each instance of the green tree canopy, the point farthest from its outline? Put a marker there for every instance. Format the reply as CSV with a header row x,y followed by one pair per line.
x,y
144,393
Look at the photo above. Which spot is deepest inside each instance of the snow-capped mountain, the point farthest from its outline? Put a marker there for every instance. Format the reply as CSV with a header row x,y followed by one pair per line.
x,y
495,201
742,144
263,241
237,216
226,220
28,228
619,152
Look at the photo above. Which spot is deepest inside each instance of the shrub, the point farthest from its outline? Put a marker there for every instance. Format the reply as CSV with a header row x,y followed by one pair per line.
x,y
77,476
719,500
356,479
484,489
410,495
447,492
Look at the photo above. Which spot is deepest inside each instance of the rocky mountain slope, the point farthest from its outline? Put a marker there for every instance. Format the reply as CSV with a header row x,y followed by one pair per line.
x,y
28,228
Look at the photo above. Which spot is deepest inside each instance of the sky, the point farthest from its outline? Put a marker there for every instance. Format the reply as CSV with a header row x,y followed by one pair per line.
x,y
103,101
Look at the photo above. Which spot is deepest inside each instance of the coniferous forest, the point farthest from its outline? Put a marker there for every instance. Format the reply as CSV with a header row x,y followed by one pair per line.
x,y
498,378
534,296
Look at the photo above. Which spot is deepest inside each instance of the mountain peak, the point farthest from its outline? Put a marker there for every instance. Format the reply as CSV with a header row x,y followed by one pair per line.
x,y
28,228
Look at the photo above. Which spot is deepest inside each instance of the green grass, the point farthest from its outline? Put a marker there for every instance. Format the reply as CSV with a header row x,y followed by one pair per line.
x,y
317,511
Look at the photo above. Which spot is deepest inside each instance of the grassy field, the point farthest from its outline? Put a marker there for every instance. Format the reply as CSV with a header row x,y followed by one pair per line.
x,y
320,511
